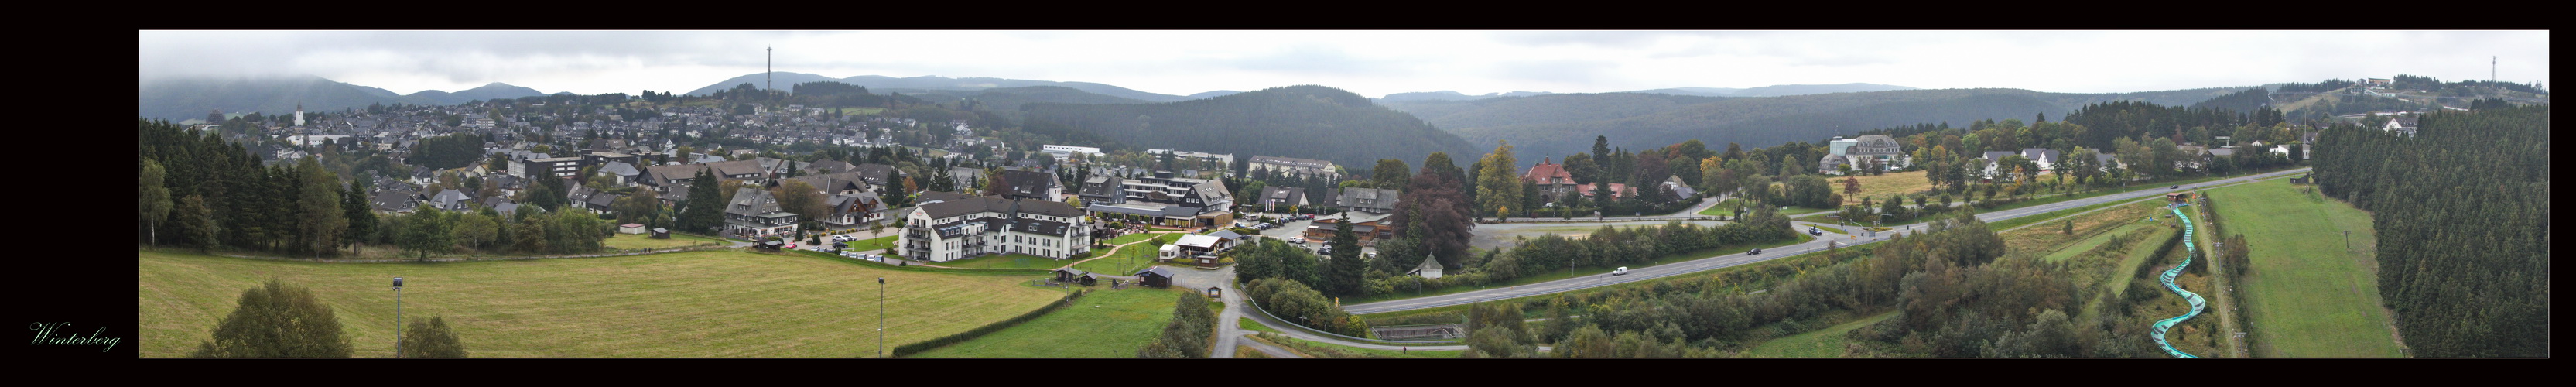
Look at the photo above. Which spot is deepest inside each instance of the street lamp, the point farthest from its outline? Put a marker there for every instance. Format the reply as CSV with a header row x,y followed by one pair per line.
x,y
397,316
880,317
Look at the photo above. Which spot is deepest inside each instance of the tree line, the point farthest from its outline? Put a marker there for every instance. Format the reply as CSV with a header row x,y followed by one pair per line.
x,y
2462,214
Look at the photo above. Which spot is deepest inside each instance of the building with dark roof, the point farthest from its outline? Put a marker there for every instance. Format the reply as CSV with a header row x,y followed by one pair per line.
x,y
1291,166
753,214
967,227
1033,185
1274,199
1371,200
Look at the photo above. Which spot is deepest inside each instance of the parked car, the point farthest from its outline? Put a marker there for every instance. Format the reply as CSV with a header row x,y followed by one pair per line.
x,y
1815,231
1297,240
1754,252
1306,217
1622,270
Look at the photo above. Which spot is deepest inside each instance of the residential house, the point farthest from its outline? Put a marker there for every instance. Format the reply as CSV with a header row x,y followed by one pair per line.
x,y
2402,124
754,214
451,200
1552,179
852,209
620,173
959,228
395,201
1275,199
1034,185
1618,191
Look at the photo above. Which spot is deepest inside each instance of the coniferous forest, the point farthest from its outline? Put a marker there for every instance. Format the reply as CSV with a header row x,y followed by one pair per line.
x,y
2462,213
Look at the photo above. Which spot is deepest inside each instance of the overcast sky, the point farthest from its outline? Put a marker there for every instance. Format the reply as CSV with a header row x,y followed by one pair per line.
x,y
1370,63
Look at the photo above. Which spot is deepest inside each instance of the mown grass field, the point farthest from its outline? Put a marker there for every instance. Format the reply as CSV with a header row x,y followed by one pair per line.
x,y
690,304
1826,342
1878,187
2306,295
1128,261
868,245
1105,323
645,241
2049,234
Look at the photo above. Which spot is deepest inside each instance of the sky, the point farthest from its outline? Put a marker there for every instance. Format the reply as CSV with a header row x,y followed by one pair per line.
x,y
1369,63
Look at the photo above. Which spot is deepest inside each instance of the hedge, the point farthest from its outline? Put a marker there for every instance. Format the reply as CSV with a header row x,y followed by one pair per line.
x,y
926,345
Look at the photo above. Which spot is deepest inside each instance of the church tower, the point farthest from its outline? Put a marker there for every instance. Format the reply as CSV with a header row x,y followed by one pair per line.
x,y
299,114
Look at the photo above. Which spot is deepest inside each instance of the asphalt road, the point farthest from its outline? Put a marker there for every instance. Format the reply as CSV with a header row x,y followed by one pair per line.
x,y
1734,259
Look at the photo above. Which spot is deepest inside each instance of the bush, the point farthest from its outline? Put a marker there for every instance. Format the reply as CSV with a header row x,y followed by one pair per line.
x,y
275,320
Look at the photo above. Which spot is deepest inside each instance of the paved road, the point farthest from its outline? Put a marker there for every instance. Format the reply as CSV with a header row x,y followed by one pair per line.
x,y
1734,259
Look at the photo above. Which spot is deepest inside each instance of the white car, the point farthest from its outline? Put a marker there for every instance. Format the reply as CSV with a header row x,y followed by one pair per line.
x,y
1622,270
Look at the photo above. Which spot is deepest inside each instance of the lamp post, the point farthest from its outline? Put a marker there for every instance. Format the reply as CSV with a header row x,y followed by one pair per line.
x,y
880,317
397,316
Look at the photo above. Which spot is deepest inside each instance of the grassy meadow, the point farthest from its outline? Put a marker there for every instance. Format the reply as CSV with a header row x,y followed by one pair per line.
x,y
2306,295
691,304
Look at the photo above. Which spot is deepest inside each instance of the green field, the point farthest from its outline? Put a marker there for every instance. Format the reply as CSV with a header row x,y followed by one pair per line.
x,y
868,245
1246,323
689,304
1127,262
2305,294
861,111
640,241
1139,237
1105,323
2079,247
1827,342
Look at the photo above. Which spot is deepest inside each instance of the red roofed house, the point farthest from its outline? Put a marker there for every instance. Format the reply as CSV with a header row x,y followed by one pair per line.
x,y
1617,190
1553,182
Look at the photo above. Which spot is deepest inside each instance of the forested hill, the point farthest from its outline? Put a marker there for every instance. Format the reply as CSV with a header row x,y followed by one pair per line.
x,y
1562,124
1314,122
1006,101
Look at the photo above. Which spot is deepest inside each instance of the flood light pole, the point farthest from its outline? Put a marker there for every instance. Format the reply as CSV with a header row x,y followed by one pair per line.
x,y
880,317
397,316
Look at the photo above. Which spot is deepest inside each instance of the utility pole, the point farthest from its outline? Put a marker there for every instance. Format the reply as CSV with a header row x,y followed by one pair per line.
x,y
880,317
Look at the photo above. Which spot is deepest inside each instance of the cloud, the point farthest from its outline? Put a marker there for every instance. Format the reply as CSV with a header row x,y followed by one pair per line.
x,y
1555,72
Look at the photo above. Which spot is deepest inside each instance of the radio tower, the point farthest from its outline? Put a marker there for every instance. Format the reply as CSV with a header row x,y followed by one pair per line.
x,y
2491,66
769,70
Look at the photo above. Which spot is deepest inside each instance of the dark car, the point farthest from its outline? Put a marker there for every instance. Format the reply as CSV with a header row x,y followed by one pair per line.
x,y
1814,231
1754,252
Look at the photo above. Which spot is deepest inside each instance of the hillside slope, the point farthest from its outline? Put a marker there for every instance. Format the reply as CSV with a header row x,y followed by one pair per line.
x,y
1297,121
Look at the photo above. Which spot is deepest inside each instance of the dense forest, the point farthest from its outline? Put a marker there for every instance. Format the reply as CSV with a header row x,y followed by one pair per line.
x,y
2462,213
1555,124
1298,121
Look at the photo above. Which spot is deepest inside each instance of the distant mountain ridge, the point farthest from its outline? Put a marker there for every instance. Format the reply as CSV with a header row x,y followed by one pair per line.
x,y
187,98
1563,124
785,80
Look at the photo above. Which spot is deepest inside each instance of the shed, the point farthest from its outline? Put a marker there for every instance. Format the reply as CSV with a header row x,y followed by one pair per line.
x,y
1075,275
661,233
771,245
630,228
1215,292
1158,276
1430,268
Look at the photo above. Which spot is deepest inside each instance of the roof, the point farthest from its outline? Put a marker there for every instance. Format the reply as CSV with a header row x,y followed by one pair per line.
x,y
1283,195
737,167
1029,183
1291,161
1199,241
2043,155
619,168
750,201
1876,142
1428,264
971,205
1157,271
1102,185
1547,172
